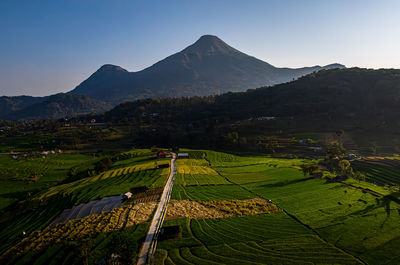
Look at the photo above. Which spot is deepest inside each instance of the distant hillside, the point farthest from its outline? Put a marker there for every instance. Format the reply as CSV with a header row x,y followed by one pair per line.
x,y
366,98
208,67
60,105
12,104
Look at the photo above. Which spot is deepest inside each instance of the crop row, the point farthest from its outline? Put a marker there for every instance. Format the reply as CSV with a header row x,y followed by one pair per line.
x,y
210,192
89,189
82,228
266,239
380,172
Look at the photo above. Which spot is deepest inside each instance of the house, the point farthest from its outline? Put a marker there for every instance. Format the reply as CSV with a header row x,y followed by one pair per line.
x,y
161,154
316,149
351,156
183,155
127,195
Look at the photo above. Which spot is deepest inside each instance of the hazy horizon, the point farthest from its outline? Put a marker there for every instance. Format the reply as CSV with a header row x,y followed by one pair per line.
x,y
49,48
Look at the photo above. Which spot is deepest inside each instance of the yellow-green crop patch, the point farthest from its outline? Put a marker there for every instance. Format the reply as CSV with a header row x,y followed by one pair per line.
x,y
210,192
111,182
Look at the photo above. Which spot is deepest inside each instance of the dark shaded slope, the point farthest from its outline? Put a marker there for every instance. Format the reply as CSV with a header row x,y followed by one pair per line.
x,y
207,67
366,97
60,105
11,104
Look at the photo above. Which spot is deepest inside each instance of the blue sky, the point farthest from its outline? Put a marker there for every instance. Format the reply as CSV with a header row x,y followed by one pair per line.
x,y
48,47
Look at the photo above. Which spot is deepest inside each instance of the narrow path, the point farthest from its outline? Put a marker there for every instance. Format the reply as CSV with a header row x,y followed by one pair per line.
x,y
150,243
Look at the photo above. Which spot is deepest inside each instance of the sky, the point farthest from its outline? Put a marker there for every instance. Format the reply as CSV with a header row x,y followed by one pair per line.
x,y
47,47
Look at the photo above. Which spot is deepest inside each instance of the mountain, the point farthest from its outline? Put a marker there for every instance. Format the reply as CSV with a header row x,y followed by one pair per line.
x,y
58,106
12,104
207,67
354,97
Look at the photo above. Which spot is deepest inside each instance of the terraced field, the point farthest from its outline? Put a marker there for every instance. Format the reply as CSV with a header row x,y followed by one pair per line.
x,y
318,222
356,222
266,239
90,250
211,192
139,171
380,171
197,172
111,182
19,178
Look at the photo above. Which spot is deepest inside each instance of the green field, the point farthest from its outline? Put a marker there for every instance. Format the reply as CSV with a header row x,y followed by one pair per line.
x,y
38,211
112,182
381,172
357,222
323,222
266,239
17,177
125,242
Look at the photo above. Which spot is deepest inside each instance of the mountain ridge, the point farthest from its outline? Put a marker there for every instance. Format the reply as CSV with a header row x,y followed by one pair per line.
x,y
207,67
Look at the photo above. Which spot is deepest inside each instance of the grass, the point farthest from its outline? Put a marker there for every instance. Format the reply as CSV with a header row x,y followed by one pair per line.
x,y
111,182
359,223
127,241
267,239
11,231
381,172
51,201
259,173
352,220
19,178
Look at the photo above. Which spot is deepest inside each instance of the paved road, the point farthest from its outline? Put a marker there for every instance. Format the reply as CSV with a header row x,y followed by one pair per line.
x,y
150,243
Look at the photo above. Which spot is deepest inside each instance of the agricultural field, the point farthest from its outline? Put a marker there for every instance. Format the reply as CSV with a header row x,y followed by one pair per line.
x,y
90,250
380,171
334,212
27,233
228,209
111,182
219,208
20,178
266,239
210,192
79,229
197,172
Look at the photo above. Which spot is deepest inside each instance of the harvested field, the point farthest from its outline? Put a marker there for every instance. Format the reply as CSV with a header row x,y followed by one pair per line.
x,y
79,229
146,196
219,209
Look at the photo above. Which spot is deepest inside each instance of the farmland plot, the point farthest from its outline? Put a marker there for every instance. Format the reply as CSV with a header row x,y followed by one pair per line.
x,y
112,182
210,192
358,222
265,239
19,178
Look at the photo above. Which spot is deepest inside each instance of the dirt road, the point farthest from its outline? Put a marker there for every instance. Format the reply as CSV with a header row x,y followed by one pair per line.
x,y
150,243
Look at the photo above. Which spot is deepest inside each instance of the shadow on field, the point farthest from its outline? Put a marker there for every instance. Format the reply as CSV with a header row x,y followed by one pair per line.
x,y
16,195
284,183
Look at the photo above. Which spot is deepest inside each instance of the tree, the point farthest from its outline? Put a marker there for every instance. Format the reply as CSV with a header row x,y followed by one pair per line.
x,y
335,149
344,166
103,165
308,169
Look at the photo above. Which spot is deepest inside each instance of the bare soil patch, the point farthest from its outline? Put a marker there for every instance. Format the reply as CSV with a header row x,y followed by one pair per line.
x,y
219,208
